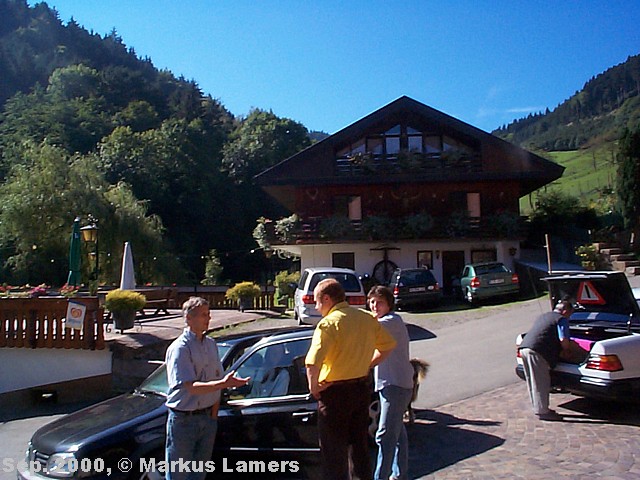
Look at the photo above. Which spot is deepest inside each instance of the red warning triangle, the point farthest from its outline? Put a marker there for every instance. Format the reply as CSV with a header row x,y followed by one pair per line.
x,y
587,294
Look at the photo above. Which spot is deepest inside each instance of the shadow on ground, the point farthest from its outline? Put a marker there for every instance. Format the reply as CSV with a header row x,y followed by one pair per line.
x,y
588,410
438,440
418,333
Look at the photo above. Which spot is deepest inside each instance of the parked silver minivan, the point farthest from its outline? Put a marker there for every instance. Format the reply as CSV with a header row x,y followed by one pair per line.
x,y
305,306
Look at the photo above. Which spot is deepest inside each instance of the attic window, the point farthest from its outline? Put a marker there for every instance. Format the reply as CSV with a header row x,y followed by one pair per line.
x,y
403,148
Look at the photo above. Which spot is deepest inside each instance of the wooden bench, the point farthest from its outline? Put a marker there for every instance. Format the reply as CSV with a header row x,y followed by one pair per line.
x,y
159,298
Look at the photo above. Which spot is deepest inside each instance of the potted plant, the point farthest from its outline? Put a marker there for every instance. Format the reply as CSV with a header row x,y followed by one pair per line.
x,y
244,293
123,305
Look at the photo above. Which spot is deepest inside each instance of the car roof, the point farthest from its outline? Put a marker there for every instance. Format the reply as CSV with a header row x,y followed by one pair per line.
x,y
480,264
263,333
413,269
329,269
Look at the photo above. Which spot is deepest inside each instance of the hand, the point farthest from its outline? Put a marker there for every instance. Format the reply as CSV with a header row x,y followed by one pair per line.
x,y
317,388
231,381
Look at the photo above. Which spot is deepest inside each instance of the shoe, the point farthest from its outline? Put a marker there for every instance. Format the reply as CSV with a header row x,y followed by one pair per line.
x,y
550,416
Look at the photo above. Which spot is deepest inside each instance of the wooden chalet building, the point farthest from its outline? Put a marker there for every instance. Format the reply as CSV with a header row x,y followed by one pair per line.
x,y
404,186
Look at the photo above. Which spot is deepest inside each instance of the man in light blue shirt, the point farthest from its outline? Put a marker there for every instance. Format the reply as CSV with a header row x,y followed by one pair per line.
x,y
195,376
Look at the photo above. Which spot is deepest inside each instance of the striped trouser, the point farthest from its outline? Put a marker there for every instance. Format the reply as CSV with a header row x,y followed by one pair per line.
x,y
537,374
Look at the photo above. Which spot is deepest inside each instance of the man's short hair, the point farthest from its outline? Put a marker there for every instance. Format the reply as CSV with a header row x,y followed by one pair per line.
x,y
331,287
380,291
191,304
566,302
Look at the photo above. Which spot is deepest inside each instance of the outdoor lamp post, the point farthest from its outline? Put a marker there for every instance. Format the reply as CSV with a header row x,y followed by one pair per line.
x,y
90,235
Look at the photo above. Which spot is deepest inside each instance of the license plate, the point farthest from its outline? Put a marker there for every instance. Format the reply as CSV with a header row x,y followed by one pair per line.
x,y
496,281
417,289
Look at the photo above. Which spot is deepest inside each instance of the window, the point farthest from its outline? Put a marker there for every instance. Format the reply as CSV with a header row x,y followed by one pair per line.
x,y
348,206
276,370
473,204
433,144
415,143
405,138
481,256
343,260
425,259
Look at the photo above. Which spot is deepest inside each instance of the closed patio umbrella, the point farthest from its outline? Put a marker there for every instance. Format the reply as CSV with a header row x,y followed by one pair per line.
x,y
127,276
74,254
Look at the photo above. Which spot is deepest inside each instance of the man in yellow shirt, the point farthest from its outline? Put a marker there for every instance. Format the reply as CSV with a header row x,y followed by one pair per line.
x,y
346,344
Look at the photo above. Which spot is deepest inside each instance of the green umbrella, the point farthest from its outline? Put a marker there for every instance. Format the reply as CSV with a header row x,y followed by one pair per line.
x,y
74,254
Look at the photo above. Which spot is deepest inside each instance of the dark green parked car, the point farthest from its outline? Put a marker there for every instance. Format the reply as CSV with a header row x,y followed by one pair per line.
x,y
482,281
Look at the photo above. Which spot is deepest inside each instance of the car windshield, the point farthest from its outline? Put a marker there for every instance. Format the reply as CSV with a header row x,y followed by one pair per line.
x,y
156,382
490,268
349,281
416,277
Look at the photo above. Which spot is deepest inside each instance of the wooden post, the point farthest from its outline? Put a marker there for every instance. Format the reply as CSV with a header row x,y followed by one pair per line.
x,y
548,247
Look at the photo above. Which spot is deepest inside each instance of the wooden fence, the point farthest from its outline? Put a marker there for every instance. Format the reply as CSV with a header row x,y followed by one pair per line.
x,y
216,298
39,323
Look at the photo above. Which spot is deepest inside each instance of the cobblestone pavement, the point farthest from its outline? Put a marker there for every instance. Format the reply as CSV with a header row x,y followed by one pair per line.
x,y
496,436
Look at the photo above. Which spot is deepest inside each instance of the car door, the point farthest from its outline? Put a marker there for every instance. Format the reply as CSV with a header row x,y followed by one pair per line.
x,y
275,411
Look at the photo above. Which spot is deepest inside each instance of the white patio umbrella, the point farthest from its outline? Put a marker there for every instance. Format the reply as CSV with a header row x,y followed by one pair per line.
x,y
127,276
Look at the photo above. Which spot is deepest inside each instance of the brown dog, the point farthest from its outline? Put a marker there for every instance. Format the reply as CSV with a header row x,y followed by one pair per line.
x,y
420,369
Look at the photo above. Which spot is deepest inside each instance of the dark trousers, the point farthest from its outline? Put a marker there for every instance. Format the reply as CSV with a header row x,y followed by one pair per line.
x,y
343,420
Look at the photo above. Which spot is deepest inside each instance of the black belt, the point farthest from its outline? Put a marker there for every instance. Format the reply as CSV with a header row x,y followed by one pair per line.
x,y
348,381
201,411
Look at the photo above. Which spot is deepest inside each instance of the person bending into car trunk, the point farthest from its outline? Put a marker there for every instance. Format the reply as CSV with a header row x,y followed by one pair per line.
x,y
338,363
195,376
394,384
540,351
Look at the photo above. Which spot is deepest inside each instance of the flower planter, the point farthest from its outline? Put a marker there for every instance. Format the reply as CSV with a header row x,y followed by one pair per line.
x,y
123,319
245,303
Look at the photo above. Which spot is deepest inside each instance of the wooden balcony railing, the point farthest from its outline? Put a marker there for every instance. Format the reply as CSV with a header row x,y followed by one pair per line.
x,y
39,323
408,163
320,229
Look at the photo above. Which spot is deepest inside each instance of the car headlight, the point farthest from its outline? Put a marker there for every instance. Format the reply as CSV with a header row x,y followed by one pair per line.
x,y
62,465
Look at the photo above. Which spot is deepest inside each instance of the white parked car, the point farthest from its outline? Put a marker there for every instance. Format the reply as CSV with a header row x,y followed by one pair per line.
x,y
304,309
606,322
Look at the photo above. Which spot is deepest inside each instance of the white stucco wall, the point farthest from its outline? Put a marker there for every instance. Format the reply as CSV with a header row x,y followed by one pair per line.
x,y
405,256
30,367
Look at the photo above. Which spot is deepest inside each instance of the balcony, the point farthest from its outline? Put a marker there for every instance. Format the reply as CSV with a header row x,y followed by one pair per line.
x,y
413,163
380,228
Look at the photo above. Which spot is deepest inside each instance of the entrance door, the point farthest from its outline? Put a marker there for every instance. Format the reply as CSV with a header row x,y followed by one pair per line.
x,y
452,265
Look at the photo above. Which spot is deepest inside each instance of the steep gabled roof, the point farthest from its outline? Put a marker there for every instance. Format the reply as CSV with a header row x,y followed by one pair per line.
x,y
500,160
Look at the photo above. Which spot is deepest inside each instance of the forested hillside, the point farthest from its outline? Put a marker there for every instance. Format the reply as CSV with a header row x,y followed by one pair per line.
x,y
87,127
606,105
583,134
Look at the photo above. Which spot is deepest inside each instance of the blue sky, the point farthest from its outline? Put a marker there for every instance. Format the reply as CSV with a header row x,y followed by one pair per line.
x,y
327,64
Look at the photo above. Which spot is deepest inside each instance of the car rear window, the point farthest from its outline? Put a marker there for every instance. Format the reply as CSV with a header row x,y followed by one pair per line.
x,y
417,277
492,268
349,282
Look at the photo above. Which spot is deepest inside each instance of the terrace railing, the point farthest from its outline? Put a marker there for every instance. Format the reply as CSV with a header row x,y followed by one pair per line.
x,y
40,323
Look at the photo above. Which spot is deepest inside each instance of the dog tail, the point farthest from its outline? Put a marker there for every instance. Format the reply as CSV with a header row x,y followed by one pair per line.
x,y
420,367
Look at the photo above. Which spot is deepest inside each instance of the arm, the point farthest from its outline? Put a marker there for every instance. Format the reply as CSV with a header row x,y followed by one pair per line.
x,y
228,381
564,334
379,357
315,388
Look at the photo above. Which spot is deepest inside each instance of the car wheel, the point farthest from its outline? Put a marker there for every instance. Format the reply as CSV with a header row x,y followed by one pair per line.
x,y
374,417
158,455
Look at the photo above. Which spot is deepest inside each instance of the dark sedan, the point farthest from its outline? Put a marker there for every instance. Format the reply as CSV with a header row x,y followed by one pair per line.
x,y
124,437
